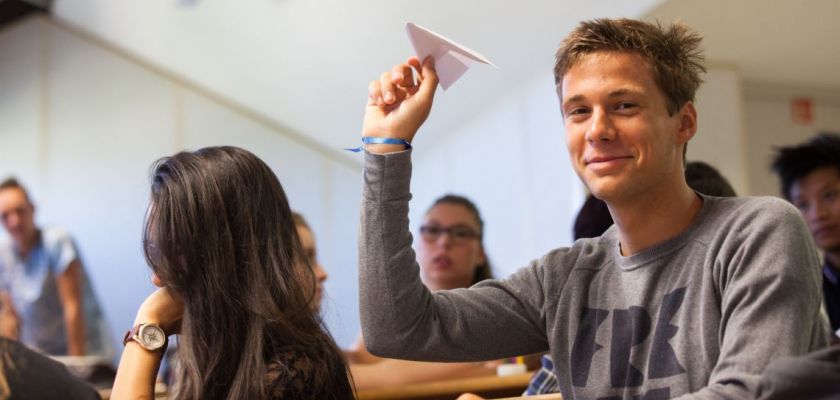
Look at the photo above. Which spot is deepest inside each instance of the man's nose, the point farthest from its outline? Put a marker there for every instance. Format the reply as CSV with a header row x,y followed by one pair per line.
x,y
600,127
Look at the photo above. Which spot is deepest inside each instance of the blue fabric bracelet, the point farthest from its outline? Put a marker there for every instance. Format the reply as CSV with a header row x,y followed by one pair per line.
x,y
379,140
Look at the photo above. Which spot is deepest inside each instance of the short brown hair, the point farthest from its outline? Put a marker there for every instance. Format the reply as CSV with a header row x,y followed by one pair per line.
x,y
674,54
12,183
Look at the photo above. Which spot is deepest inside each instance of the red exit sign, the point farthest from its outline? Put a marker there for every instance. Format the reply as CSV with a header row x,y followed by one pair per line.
x,y
802,110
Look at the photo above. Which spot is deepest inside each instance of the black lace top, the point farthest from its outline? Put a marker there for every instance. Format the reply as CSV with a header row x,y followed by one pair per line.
x,y
295,375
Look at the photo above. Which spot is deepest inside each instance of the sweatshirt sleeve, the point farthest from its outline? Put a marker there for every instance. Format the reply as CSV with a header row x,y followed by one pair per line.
x,y
770,293
401,318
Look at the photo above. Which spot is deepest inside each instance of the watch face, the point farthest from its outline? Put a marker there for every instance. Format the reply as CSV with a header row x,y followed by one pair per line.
x,y
151,337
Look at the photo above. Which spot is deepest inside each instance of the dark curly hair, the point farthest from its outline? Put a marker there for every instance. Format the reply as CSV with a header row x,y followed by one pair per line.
x,y
794,162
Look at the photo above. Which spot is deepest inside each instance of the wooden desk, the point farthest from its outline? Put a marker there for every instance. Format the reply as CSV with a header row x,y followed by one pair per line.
x,y
488,387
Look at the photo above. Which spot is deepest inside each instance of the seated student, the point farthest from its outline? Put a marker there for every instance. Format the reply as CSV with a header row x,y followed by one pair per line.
x,y
593,220
451,255
46,297
310,251
810,178
686,296
27,374
234,284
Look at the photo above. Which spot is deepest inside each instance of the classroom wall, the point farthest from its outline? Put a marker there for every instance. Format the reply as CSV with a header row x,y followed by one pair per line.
x,y
770,124
720,137
81,126
511,159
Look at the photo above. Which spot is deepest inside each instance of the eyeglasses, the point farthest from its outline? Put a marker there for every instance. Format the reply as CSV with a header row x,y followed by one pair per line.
x,y
458,233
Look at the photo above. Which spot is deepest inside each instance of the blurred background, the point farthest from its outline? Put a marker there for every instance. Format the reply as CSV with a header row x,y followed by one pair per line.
x,y
92,92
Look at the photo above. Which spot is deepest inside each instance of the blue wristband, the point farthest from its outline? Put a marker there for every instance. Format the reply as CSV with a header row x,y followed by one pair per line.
x,y
380,140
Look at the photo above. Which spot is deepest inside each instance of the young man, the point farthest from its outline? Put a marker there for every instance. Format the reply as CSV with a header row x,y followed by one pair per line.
x,y
810,177
47,302
685,296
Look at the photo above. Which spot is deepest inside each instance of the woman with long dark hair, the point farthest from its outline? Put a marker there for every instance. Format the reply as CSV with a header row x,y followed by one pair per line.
x,y
235,283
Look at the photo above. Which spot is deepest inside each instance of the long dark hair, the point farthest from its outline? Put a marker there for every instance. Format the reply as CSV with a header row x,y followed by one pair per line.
x,y
220,235
482,271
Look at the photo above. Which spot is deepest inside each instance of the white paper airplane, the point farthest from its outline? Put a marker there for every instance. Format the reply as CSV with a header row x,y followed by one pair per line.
x,y
451,59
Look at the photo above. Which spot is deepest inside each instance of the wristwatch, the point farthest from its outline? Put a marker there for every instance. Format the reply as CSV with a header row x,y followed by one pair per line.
x,y
149,336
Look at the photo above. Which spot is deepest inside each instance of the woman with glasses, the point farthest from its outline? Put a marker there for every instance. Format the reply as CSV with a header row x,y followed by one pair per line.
x,y
451,255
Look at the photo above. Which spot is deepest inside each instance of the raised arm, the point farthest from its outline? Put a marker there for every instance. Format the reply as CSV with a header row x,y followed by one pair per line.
x,y
398,103
400,317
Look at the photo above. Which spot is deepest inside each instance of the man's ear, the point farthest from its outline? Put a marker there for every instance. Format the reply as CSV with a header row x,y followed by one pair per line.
x,y
688,123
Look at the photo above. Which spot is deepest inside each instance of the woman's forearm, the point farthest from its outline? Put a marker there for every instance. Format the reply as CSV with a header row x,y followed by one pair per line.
x,y
136,373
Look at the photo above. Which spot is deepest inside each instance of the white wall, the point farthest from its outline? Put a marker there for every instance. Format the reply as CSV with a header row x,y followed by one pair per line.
x,y
720,138
770,125
511,159
81,127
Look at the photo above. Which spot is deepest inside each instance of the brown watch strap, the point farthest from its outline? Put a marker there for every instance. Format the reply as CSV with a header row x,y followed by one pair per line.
x,y
135,331
129,334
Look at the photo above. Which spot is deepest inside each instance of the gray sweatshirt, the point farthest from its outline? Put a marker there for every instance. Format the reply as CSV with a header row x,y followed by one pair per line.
x,y
696,317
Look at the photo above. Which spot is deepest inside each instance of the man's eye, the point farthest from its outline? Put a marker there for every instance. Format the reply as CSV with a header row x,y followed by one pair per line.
x,y
625,106
578,111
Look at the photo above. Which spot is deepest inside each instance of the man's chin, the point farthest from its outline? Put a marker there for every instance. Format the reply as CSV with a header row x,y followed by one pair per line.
x,y
606,192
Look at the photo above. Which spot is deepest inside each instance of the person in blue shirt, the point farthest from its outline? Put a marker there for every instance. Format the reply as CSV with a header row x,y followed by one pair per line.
x,y
46,300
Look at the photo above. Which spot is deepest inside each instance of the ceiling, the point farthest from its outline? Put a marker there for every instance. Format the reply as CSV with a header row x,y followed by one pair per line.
x,y
305,64
778,42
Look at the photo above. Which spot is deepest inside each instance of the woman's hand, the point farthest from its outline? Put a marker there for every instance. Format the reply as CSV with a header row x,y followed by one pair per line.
x,y
163,309
138,366
397,105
